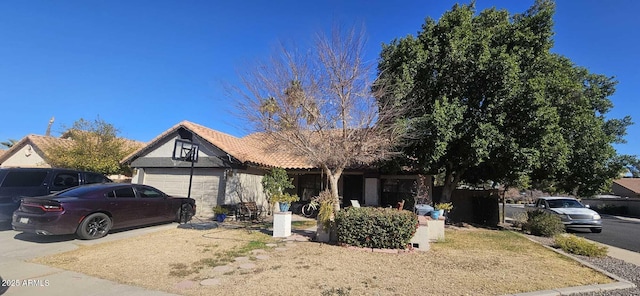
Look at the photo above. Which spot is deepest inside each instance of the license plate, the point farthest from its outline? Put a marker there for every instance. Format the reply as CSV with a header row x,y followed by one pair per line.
x,y
24,220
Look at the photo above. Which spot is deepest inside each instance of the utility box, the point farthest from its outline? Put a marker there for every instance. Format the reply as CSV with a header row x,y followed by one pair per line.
x,y
282,224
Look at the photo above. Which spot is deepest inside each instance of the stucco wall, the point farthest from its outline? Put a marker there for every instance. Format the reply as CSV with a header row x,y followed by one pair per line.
x,y
245,185
25,157
632,204
622,191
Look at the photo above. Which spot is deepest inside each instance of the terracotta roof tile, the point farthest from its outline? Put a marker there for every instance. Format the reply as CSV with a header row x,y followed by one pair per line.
x,y
632,184
40,143
252,149
270,154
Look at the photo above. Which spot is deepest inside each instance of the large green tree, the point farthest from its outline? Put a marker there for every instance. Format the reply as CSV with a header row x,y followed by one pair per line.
x,y
491,102
95,147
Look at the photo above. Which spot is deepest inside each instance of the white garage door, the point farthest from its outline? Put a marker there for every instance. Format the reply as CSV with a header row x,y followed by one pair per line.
x,y
205,187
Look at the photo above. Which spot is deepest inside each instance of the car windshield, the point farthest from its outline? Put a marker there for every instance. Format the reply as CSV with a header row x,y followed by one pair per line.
x,y
564,203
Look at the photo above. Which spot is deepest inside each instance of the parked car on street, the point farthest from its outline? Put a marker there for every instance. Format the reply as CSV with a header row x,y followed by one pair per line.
x,y
90,211
16,183
574,215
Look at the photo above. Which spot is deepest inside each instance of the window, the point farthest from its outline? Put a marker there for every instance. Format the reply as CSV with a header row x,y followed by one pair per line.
x,y
91,178
309,186
564,203
122,193
65,180
148,192
24,178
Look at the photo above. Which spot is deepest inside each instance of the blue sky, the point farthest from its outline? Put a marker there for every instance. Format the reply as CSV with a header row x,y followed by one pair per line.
x,y
144,66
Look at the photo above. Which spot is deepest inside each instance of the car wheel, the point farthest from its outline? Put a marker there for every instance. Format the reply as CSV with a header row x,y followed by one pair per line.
x,y
185,213
596,230
94,226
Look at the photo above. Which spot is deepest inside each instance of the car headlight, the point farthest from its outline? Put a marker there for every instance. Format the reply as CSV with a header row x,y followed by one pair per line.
x,y
564,217
596,217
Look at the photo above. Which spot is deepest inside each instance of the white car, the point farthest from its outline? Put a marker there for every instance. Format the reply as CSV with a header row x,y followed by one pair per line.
x,y
573,214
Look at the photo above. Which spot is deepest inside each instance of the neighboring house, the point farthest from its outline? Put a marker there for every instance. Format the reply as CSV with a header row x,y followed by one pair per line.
x,y
626,187
230,170
29,152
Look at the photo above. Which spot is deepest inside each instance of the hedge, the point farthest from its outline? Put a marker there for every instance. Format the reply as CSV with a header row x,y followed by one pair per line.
x,y
381,228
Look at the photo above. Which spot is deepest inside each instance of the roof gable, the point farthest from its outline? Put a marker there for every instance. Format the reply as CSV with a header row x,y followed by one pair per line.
x,y
632,184
39,143
253,149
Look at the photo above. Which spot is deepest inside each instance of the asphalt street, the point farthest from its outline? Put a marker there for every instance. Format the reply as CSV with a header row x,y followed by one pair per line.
x,y
619,232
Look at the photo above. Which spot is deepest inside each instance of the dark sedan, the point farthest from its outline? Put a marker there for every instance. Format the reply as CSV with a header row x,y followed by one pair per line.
x,y
90,211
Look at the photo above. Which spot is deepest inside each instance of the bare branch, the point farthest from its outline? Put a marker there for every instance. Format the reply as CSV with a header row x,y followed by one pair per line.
x,y
320,104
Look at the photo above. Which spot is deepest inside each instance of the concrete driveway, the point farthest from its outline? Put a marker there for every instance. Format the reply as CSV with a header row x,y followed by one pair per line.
x,y
29,279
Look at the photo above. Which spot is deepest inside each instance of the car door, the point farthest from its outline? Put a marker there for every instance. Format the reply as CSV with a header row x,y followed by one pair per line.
x,y
125,207
62,180
155,204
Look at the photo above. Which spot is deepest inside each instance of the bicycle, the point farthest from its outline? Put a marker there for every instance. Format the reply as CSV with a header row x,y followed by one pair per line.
x,y
311,209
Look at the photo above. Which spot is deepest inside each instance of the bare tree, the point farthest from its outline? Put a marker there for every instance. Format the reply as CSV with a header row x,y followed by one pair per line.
x,y
319,104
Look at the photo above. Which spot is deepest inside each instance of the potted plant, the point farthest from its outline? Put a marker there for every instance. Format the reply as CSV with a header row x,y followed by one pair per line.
x,y
284,200
326,231
443,208
274,183
221,213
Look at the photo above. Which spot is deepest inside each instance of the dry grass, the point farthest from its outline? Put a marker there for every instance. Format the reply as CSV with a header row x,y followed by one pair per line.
x,y
478,262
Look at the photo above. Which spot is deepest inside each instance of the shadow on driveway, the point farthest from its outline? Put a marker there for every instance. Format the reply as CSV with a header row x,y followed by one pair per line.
x,y
46,239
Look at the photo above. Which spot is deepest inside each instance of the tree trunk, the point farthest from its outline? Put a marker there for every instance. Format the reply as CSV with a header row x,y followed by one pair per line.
x,y
451,180
333,186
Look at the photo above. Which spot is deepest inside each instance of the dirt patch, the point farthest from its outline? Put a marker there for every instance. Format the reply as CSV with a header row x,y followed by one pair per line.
x,y
478,262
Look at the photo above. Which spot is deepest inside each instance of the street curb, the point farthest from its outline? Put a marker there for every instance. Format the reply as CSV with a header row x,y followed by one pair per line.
x,y
619,285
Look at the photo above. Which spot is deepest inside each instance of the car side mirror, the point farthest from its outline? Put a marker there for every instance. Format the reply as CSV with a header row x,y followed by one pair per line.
x,y
587,206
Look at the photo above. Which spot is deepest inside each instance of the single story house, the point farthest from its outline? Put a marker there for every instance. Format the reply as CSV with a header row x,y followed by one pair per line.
x,y
230,169
29,152
626,187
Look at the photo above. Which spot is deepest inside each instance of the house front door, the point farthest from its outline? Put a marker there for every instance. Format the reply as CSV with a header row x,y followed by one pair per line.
x,y
352,189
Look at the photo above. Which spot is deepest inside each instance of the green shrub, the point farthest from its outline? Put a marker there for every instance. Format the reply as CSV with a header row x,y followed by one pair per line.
x,y
520,220
541,223
579,246
382,228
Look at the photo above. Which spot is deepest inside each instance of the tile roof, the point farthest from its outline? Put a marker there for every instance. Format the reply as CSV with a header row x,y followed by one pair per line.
x,y
632,184
40,143
127,143
253,149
